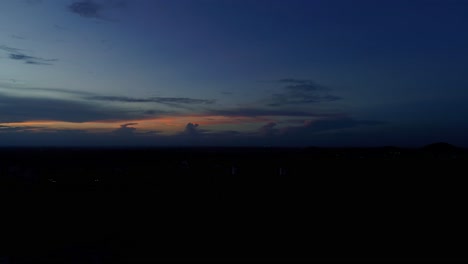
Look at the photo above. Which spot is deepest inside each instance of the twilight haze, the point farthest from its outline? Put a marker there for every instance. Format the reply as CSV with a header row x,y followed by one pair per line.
x,y
233,72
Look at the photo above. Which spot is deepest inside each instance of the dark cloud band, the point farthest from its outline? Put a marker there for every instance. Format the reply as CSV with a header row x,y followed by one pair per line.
x,y
300,92
161,100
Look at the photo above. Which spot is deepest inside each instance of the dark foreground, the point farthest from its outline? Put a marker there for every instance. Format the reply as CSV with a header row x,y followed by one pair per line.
x,y
97,206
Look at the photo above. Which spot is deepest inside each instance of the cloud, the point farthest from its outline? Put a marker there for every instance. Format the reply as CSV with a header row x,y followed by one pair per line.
x,y
32,62
93,9
86,8
76,132
191,130
126,130
16,88
31,59
161,100
328,124
125,135
18,55
21,109
151,133
128,124
9,49
268,129
76,105
271,134
310,133
292,80
21,104
9,129
150,112
297,92
254,112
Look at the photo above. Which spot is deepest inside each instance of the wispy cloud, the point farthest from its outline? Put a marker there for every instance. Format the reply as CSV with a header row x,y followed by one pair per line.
x,y
259,111
17,88
294,81
31,59
10,129
160,100
10,49
83,110
328,124
18,55
299,92
22,103
21,109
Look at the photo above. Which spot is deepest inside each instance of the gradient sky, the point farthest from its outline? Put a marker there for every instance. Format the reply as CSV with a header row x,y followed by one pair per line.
x,y
233,72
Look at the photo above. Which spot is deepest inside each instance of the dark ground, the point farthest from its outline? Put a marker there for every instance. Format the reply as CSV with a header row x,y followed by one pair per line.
x,y
96,206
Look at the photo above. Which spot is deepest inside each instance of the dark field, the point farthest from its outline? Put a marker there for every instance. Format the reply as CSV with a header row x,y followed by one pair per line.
x,y
95,206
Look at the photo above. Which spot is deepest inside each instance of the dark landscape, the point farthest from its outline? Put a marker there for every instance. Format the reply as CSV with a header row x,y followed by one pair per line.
x,y
87,205
233,130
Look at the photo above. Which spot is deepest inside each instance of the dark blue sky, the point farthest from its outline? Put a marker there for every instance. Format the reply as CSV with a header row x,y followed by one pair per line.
x,y
238,72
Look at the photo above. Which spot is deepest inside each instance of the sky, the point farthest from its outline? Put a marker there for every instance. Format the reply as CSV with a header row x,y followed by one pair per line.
x,y
233,72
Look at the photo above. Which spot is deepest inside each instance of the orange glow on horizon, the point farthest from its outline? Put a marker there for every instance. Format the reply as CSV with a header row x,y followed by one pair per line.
x,y
164,124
